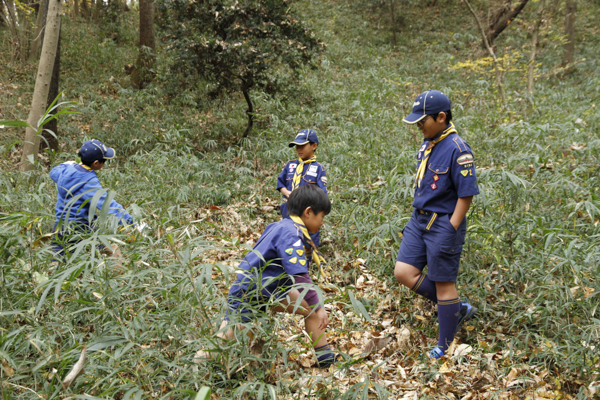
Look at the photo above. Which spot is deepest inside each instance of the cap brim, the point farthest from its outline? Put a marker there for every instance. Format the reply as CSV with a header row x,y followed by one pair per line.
x,y
292,144
413,118
110,153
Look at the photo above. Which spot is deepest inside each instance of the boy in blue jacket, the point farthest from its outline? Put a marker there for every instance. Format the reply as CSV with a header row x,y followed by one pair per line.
x,y
77,184
303,171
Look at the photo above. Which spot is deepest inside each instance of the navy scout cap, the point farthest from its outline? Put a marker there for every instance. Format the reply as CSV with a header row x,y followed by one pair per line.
x,y
305,136
94,149
428,103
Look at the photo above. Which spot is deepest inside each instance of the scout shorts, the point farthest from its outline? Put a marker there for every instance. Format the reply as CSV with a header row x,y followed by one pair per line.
x,y
430,239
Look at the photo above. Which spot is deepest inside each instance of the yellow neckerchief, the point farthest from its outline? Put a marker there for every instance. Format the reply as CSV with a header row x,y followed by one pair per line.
x,y
85,166
316,256
299,168
423,166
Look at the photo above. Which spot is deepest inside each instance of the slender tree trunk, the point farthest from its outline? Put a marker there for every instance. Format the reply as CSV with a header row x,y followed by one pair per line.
x,y
49,140
249,111
31,144
143,74
491,51
502,20
75,12
14,31
569,48
98,10
394,38
85,10
534,41
39,26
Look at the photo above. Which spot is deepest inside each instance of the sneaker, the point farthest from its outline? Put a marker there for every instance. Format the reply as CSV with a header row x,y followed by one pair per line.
x,y
326,363
467,312
436,353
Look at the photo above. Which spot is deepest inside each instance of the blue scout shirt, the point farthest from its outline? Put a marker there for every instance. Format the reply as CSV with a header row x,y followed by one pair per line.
x,y
450,174
75,180
280,252
313,173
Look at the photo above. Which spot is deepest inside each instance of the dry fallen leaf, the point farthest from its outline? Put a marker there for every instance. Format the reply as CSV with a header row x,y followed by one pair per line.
x,y
376,344
7,368
462,350
77,370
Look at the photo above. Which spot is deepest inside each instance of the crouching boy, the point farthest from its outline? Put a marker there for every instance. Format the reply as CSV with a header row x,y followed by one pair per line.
x,y
77,184
276,272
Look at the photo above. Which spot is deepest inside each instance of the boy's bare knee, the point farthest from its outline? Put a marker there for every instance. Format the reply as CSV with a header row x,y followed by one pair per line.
x,y
406,274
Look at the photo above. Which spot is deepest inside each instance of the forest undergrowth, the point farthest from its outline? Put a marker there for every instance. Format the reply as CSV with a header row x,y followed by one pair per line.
x,y
531,262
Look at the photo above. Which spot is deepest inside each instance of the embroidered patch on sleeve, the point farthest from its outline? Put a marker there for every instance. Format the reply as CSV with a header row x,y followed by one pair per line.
x,y
302,261
465,159
293,260
289,252
300,252
464,172
324,179
298,243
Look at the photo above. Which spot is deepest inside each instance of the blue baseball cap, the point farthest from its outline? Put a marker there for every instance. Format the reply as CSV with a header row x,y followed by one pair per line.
x,y
94,149
305,136
428,103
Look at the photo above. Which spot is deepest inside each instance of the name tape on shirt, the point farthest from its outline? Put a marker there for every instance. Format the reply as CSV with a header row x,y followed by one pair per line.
x,y
465,159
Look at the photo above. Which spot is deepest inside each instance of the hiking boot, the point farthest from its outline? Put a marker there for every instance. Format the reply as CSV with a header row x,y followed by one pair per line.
x,y
467,312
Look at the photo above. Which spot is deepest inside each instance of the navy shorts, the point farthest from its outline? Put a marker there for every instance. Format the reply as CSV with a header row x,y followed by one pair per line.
x,y
430,239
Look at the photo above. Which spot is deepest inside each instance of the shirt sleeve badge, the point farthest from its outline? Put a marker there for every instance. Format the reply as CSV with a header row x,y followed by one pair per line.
x,y
300,252
302,261
293,260
465,159
289,252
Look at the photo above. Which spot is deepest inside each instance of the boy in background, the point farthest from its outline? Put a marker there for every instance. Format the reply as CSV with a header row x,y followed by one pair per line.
x,y
303,171
444,185
77,184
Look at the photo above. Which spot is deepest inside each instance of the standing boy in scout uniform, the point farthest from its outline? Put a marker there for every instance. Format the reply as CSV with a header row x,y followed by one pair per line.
x,y
77,184
445,184
303,171
277,268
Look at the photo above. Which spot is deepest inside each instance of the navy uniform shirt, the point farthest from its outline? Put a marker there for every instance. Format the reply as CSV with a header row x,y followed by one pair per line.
x,y
279,253
450,174
312,174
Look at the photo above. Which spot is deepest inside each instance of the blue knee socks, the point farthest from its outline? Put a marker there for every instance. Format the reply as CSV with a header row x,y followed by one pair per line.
x,y
425,287
326,356
448,312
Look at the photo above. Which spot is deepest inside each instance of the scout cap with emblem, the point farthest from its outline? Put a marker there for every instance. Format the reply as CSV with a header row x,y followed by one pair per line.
x,y
428,103
305,136
94,149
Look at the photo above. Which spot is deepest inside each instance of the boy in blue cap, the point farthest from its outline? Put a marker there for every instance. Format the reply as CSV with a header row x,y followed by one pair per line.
x,y
444,185
303,171
77,184
277,269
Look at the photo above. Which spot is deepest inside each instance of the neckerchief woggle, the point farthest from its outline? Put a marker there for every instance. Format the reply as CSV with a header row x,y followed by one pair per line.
x,y
423,166
316,256
299,169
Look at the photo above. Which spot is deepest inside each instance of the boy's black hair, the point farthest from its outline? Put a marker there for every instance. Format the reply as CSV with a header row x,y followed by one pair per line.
x,y
308,196
448,116
88,163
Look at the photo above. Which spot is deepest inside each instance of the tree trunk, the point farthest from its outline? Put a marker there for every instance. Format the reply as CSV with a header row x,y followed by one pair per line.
x,y
569,48
75,12
249,111
14,31
85,10
395,41
31,144
39,26
534,40
502,20
49,140
143,73
25,38
98,10
491,51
